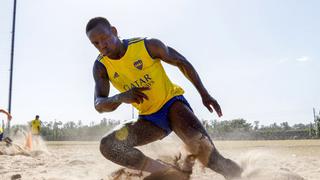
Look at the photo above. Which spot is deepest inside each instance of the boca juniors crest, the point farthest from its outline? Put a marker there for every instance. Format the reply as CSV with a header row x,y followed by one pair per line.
x,y
138,64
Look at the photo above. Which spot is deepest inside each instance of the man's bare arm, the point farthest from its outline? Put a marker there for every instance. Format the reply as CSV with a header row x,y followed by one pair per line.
x,y
159,50
9,117
102,101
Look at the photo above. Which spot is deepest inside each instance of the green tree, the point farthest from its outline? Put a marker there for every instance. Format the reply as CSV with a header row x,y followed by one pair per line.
x,y
285,126
256,125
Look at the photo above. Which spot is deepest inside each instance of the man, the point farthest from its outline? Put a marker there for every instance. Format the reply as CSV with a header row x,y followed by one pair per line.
x,y
34,135
9,117
134,67
35,126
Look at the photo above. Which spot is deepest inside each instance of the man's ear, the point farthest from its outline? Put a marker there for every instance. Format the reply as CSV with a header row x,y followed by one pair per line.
x,y
114,31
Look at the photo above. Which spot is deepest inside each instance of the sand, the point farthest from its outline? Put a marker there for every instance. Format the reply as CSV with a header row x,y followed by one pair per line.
x,y
278,160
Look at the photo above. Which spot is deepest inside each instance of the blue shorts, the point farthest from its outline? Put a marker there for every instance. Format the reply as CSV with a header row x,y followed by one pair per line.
x,y
161,117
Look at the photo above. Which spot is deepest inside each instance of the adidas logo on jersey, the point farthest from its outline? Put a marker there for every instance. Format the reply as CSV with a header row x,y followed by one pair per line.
x,y
116,75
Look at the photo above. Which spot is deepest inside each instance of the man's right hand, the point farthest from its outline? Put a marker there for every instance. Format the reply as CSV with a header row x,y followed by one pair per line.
x,y
134,95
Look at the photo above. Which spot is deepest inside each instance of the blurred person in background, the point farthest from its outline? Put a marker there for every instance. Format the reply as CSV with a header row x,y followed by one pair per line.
x,y
35,126
2,127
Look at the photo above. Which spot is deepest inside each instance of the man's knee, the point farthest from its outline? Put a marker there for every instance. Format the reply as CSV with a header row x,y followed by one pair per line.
x,y
112,141
104,146
111,148
121,152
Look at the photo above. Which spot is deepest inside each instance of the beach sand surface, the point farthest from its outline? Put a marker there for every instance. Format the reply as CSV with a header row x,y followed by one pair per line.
x,y
71,160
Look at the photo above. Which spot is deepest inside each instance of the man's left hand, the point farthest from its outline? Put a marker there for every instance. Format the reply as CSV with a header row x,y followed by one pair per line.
x,y
210,102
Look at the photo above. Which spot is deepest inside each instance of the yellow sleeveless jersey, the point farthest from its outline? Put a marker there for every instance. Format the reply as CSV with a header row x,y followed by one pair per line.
x,y
35,127
138,69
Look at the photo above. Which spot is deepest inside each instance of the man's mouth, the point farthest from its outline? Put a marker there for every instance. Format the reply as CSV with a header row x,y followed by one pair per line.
x,y
105,52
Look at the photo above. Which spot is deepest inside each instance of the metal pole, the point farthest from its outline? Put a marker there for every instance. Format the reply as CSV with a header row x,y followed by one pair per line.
x,y
12,55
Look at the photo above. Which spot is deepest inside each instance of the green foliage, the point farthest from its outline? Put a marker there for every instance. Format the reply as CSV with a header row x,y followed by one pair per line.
x,y
241,129
235,129
57,131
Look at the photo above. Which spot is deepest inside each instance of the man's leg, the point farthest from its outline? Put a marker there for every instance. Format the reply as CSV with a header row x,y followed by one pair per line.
x,y
118,146
187,126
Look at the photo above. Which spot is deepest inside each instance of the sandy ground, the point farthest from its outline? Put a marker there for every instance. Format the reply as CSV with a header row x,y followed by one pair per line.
x,y
283,160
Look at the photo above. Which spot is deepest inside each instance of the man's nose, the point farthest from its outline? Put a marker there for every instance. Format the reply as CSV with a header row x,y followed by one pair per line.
x,y
103,44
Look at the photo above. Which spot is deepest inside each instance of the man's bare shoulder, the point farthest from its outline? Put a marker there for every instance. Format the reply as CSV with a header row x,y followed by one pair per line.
x,y
99,70
153,42
155,47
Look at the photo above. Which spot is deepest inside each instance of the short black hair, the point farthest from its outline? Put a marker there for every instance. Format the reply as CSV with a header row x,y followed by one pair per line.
x,y
95,21
37,116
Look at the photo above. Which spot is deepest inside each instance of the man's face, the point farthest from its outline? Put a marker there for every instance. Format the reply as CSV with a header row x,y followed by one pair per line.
x,y
104,39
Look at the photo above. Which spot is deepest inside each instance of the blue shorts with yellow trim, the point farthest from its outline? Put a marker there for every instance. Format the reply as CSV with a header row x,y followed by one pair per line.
x,y
161,117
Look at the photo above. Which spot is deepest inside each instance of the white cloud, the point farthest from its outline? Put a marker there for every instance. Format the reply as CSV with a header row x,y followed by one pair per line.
x,y
283,60
303,59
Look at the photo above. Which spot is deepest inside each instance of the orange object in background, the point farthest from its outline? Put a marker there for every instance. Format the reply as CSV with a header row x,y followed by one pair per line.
x,y
29,141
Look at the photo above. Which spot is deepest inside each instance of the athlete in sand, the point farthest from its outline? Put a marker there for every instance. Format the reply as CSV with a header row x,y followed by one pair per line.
x,y
134,67
35,126
9,117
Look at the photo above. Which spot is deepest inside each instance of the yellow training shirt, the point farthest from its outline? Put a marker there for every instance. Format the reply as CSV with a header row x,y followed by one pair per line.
x,y
35,126
137,69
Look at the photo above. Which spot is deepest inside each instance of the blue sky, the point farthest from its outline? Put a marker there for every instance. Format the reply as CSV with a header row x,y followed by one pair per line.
x,y
259,59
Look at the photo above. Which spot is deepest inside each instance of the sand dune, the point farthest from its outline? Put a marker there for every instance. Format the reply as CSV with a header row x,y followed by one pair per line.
x,y
272,160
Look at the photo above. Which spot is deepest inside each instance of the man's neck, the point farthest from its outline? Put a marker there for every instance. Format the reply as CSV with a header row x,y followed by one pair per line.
x,y
123,49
